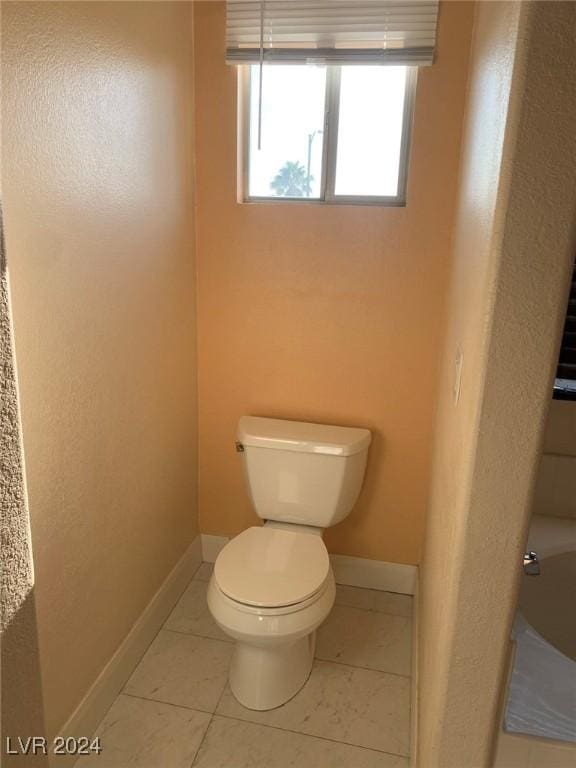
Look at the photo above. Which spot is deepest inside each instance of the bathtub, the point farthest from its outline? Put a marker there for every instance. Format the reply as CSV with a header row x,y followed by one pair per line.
x,y
539,726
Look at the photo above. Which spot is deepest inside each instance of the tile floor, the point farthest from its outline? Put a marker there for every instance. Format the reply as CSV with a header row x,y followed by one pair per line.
x,y
177,711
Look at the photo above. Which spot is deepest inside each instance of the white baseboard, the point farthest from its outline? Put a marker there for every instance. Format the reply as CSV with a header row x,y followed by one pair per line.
x,y
352,571
374,574
414,700
211,546
111,680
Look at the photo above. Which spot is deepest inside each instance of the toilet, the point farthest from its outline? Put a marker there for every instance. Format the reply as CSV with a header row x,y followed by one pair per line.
x,y
273,585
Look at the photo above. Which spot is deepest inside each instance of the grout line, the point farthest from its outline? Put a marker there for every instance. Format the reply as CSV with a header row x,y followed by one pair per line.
x,y
169,703
372,610
221,695
188,709
253,722
202,741
193,634
265,725
182,706
317,658
148,646
215,713
358,666
210,722
310,735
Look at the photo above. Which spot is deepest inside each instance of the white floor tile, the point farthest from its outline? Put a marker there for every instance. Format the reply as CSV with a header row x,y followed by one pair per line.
x,y
374,600
362,707
182,669
366,639
147,734
350,714
191,614
236,744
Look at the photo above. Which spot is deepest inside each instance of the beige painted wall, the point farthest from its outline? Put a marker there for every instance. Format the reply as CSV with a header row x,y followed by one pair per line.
x,y
555,493
474,271
513,254
97,177
326,313
560,435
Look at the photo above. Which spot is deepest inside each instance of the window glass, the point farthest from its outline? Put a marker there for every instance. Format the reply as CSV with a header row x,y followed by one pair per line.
x,y
335,133
370,130
289,161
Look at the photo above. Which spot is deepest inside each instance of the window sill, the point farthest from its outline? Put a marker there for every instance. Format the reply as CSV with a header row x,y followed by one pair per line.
x,y
371,203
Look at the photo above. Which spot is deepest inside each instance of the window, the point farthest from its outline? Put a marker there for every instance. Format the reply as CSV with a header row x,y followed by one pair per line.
x,y
565,384
327,95
335,134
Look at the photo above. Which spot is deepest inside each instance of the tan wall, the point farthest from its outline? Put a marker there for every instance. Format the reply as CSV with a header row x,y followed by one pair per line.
x,y
513,255
560,435
97,165
473,277
326,313
556,484
473,280
555,493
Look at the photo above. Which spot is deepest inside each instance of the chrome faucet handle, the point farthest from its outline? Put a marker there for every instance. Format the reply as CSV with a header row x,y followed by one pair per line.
x,y
531,564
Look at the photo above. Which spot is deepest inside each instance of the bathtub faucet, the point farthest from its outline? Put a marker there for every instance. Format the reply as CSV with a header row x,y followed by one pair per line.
x,y
531,564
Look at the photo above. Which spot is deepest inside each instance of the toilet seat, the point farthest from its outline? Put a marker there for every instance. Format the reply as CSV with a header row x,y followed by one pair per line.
x,y
266,567
283,610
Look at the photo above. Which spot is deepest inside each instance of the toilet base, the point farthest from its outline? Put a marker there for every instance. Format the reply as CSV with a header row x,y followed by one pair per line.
x,y
266,677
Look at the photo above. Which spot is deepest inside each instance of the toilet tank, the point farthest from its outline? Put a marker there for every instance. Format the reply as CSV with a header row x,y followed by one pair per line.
x,y
307,474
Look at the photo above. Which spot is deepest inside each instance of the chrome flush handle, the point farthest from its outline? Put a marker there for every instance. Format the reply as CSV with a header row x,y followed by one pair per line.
x,y
531,564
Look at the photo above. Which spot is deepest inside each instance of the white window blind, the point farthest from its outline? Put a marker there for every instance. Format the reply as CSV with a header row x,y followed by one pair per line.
x,y
398,32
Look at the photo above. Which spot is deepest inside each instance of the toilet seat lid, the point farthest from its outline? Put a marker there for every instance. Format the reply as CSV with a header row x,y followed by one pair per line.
x,y
272,567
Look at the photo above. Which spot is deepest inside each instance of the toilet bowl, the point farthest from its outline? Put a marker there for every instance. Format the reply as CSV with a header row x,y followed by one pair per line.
x,y
274,611
273,585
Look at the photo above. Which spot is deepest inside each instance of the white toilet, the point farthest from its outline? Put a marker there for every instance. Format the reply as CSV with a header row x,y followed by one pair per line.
x,y
273,585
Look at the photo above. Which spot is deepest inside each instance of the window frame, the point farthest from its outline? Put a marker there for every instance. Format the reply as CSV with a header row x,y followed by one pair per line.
x,y
565,388
330,145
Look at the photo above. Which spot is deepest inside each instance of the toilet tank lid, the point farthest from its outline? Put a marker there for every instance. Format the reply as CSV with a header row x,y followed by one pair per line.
x,y
302,436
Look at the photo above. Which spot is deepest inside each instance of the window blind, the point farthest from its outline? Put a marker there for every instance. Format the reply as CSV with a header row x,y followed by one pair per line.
x,y
400,32
565,385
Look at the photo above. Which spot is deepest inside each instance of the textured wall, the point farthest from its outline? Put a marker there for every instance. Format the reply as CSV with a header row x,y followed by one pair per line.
x,y
513,253
22,706
97,177
17,576
326,313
